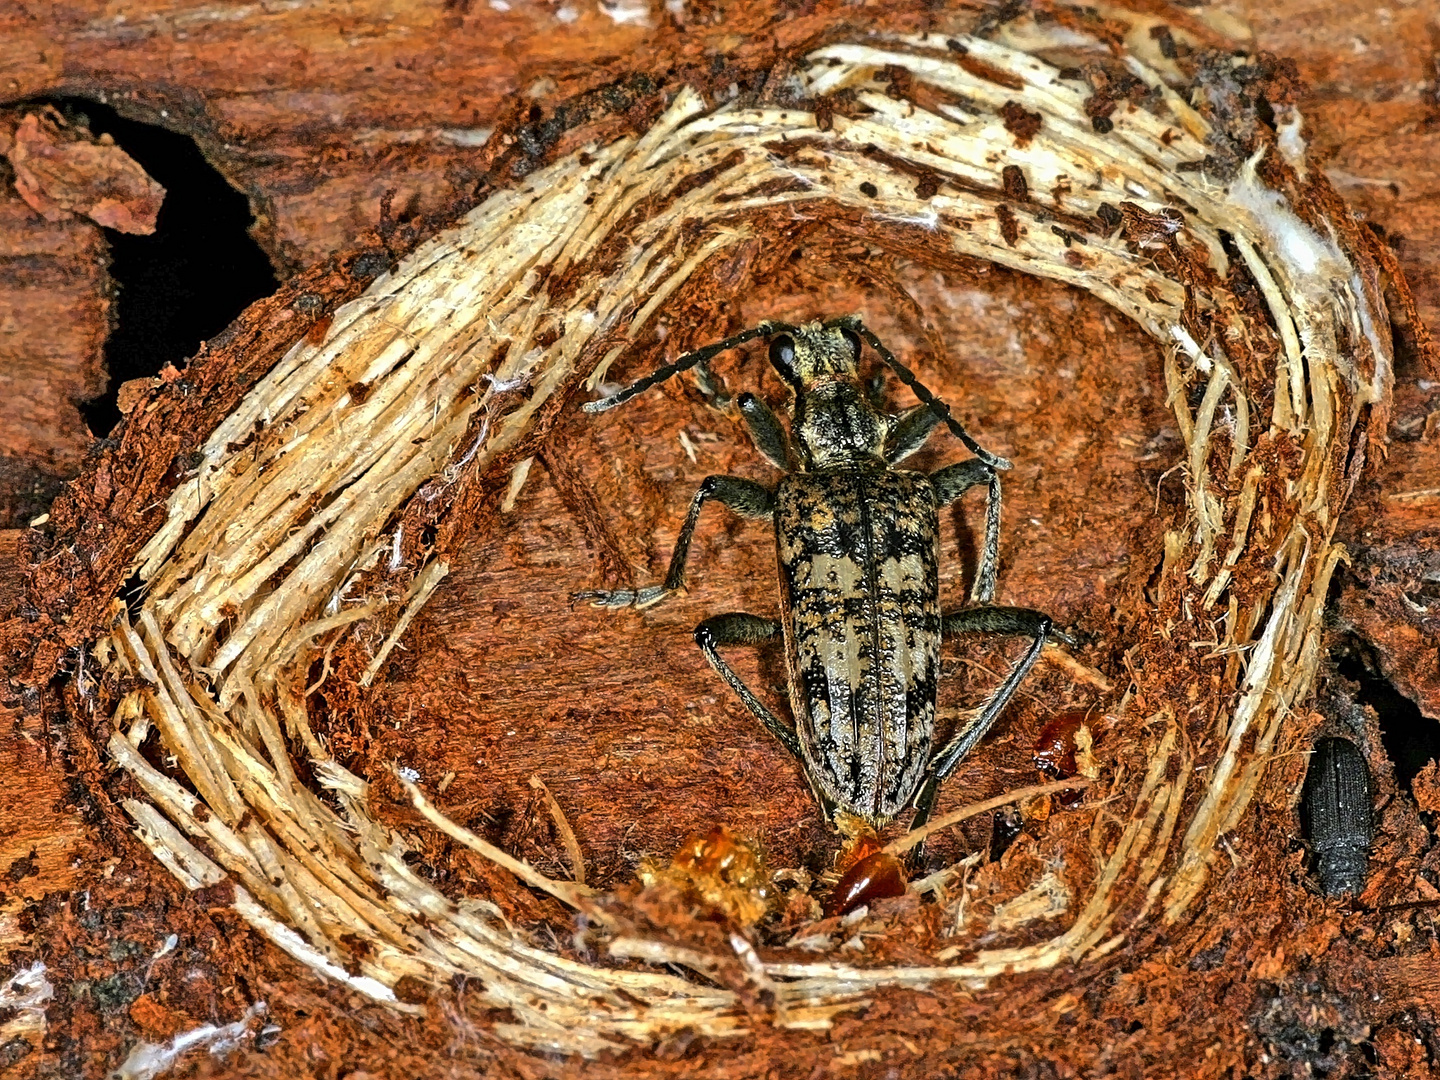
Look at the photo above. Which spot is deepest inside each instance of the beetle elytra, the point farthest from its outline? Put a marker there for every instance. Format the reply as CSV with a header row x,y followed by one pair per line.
x,y
1335,802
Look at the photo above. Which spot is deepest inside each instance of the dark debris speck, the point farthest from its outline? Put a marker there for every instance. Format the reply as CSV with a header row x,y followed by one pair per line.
x,y
124,950
117,991
23,867
370,264
1013,180
14,1051
267,1036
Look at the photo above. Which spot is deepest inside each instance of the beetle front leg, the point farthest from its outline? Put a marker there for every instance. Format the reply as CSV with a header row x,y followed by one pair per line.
x,y
745,497
953,481
983,620
909,432
941,410
766,432
738,628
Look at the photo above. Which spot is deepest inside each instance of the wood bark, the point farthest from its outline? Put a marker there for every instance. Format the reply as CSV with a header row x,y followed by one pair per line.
x,y
317,112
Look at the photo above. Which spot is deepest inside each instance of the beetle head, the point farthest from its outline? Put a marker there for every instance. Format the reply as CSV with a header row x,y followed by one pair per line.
x,y
833,421
816,353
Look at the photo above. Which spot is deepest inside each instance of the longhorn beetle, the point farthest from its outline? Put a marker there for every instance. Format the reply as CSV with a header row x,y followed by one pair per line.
x,y
857,541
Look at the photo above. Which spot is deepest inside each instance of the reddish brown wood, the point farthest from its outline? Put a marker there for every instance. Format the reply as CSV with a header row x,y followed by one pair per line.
x,y
53,322
315,111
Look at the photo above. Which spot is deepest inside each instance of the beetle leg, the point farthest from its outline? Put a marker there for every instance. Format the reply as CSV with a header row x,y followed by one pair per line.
x,y
745,497
953,481
983,620
919,389
712,386
909,431
766,432
737,628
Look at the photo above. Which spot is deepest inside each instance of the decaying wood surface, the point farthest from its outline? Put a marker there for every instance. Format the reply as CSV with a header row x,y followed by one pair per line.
x,y
498,655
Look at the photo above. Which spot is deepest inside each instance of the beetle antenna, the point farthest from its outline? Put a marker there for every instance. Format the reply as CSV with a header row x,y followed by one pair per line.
x,y
685,363
934,404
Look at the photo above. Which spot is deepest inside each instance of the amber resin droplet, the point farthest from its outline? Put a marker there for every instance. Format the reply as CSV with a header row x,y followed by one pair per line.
x,y
871,878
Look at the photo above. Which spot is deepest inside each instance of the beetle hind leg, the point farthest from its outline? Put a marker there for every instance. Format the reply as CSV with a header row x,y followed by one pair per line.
x,y
986,619
738,628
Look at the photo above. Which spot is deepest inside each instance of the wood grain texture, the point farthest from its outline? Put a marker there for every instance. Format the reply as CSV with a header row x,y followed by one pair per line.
x,y
333,105
45,844
53,320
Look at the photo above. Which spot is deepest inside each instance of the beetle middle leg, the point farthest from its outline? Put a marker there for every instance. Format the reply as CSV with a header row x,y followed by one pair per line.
x,y
745,497
953,481
983,620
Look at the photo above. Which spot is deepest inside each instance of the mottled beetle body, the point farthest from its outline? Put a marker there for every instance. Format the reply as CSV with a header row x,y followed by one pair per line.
x,y
857,543
860,607
1336,805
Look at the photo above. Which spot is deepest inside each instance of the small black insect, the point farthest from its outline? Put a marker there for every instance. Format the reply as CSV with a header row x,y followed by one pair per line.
x,y
1335,804
858,545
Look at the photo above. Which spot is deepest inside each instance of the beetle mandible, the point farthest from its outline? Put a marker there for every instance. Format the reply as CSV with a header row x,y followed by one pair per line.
x,y
858,549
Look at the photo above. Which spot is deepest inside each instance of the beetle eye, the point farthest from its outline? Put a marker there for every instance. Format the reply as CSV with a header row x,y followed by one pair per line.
x,y
854,340
782,355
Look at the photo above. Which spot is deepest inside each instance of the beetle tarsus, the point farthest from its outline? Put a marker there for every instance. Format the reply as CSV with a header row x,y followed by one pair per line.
x,y
623,598
745,497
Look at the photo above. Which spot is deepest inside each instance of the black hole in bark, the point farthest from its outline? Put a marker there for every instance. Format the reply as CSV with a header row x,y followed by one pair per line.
x,y
1265,111
133,593
1009,823
186,281
1411,741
